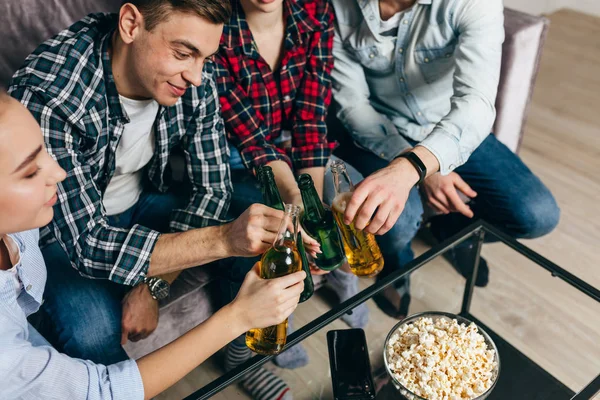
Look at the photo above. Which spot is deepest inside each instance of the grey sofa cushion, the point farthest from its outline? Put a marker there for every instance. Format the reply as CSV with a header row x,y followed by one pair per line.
x,y
521,54
25,24
190,303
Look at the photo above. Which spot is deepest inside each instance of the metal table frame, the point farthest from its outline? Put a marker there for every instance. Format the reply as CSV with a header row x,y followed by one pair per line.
x,y
479,229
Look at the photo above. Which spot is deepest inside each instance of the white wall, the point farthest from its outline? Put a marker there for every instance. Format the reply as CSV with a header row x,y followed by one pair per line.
x,y
548,6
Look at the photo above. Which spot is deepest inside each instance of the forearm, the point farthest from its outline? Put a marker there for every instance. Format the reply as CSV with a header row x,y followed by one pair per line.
x,y
170,277
427,157
178,251
406,174
164,367
286,181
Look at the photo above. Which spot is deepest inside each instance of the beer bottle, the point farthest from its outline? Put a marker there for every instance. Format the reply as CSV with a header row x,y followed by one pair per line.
x,y
362,251
268,187
319,223
272,198
280,260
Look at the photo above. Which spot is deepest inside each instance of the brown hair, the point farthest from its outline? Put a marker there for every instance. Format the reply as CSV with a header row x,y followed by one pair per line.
x,y
157,11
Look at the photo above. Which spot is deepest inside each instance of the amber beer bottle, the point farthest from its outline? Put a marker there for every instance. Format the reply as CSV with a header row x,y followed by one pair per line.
x,y
319,223
272,198
280,260
362,250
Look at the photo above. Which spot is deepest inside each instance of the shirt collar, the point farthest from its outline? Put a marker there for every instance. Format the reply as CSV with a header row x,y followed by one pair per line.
x,y
370,11
115,109
14,252
31,269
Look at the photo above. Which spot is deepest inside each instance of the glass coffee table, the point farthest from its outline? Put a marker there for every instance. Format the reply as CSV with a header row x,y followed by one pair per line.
x,y
544,320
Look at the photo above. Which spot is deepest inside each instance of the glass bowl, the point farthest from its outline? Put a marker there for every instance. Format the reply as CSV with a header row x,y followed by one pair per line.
x,y
436,316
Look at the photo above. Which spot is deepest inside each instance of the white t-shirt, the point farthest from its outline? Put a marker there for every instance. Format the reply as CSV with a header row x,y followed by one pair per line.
x,y
134,152
388,31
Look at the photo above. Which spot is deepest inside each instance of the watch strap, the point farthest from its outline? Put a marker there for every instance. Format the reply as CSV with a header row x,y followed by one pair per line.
x,y
151,283
416,162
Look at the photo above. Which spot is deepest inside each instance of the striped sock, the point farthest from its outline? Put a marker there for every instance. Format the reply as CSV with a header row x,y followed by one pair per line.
x,y
261,384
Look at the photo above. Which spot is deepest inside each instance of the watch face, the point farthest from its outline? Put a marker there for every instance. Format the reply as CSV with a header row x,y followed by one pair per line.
x,y
160,289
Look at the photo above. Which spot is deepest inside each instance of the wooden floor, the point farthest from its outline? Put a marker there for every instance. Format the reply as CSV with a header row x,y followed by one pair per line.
x,y
544,318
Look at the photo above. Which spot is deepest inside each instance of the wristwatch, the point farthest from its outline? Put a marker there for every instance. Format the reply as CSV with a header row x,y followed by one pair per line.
x,y
159,288
417,163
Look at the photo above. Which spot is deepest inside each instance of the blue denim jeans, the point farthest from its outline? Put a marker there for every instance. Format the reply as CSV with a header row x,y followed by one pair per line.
x,y
81,316
510,197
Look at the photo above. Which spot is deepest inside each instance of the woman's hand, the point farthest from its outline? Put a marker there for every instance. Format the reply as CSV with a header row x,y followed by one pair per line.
x,y
261,303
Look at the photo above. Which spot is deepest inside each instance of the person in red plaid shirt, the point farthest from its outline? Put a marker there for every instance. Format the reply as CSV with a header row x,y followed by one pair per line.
x,y
273,78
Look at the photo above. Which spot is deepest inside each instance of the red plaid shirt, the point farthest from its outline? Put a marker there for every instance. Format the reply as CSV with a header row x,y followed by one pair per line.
x,y
254,110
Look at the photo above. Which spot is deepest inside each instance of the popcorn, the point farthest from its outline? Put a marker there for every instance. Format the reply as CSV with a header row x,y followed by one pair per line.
x,y
441,360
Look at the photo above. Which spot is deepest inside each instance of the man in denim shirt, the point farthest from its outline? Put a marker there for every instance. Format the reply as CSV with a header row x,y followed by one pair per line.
x,y
415,83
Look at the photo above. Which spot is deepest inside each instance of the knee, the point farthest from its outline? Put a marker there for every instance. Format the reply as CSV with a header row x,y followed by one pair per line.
x,y
95,337
536,217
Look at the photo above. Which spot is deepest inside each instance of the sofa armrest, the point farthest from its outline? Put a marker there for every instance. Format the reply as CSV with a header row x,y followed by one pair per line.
x,y
521,54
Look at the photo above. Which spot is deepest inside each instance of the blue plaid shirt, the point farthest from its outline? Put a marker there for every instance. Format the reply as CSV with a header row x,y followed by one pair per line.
x,y
33,370
68,85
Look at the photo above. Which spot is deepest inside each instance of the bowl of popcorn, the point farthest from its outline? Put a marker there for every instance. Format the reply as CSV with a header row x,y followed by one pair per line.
x,y
441,356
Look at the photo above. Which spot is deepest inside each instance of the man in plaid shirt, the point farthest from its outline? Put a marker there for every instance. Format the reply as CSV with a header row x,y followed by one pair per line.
x,y
115,96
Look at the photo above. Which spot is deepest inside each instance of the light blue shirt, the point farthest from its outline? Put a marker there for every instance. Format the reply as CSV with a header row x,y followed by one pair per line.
x,y
438,89
32,369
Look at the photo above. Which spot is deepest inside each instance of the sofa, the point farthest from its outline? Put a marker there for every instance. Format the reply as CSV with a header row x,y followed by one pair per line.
x,y
26,23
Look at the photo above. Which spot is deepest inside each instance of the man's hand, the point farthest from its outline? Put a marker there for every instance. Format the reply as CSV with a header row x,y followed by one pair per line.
x,y
380,198
442,194
253,232
140,314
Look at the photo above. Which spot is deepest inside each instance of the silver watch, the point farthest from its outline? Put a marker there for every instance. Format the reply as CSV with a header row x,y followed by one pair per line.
x,y
159,288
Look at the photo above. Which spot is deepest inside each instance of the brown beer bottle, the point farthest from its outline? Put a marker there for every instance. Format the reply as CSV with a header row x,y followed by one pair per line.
x,y
281,259
362,251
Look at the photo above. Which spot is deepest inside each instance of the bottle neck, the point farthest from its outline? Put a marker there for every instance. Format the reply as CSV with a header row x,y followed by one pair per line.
x,y
313,207
341,179
270,193
288,228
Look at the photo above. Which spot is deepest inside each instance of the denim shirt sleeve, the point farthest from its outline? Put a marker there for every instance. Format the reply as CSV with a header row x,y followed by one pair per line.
x,y
480,27
30,372
369,129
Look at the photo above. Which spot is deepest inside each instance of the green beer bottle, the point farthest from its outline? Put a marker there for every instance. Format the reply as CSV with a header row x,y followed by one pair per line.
x,y
319,223
268,187
272,198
